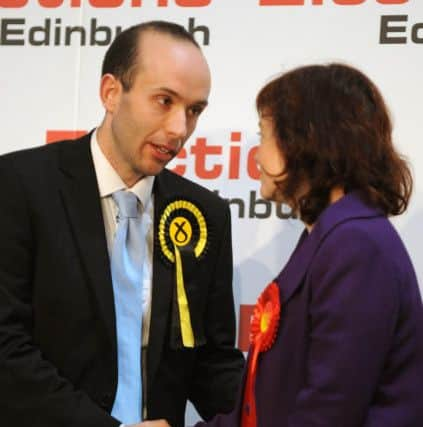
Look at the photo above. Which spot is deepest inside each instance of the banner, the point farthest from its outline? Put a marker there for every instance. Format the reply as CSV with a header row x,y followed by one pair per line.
x,y
51,53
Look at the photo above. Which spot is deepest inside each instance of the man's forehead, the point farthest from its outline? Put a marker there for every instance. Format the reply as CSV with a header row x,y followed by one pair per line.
x,y
155,49
162,54
149,40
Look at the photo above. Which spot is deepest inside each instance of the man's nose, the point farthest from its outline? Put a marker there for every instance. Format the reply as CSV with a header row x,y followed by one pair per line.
x,y
176,123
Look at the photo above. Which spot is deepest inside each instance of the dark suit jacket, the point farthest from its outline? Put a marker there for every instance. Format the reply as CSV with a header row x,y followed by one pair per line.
x,y
349,350
58,350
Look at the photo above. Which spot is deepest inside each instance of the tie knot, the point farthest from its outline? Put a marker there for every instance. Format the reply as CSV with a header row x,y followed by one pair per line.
x,y
127,203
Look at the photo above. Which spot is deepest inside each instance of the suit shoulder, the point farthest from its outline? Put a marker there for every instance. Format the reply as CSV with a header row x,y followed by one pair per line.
x,y
360,240
355,236
374,233
34,154
42,158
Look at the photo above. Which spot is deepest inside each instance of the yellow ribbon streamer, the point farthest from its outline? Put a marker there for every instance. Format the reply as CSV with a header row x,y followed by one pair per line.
x,y
184,316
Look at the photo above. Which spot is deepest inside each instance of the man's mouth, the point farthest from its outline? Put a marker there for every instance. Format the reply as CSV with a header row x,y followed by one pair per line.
x,y
163,150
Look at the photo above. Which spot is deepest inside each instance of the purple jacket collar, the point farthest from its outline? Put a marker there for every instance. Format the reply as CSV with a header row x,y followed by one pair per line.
x,y
349,207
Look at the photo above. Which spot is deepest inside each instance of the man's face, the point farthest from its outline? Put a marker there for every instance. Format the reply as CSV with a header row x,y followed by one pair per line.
x,y
146,126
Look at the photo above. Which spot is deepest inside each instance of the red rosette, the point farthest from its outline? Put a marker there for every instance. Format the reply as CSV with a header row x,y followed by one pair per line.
x,y
265,320
264,328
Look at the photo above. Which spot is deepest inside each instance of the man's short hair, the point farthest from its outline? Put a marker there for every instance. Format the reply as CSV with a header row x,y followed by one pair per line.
x,y
120,59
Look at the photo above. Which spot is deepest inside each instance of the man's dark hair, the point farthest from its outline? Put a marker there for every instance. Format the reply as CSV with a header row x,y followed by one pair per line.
x,y
333,130
121,56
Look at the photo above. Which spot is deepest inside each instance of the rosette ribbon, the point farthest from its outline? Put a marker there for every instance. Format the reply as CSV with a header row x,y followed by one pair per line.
x,y
183,238
264,327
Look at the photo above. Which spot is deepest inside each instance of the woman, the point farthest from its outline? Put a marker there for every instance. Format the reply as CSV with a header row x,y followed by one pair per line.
x,y
347,349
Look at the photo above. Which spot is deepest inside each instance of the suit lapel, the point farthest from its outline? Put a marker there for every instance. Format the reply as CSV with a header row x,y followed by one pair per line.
x,y
162,283
351,206
81,199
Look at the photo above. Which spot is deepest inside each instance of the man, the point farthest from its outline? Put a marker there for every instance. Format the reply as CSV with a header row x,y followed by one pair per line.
x,y
70,344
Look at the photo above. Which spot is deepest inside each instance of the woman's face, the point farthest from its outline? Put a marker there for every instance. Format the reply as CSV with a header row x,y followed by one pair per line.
x,y
270,160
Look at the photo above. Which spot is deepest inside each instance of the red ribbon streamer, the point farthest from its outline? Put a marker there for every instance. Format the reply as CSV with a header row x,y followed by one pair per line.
x,y
264,327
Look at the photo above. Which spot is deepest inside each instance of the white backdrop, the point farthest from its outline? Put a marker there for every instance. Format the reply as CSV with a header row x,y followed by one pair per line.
x,y
50,83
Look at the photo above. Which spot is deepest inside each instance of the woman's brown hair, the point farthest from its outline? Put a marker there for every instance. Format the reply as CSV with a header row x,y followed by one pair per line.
x,y
334,130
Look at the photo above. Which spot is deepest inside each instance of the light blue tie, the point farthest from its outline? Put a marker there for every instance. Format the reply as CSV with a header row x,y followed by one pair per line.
x,y
126,267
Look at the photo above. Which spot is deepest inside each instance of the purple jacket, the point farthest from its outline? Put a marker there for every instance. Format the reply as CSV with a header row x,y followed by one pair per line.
x,y
349,351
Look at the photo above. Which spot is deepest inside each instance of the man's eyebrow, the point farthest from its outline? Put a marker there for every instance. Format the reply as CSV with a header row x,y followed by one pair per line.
x,y
202,102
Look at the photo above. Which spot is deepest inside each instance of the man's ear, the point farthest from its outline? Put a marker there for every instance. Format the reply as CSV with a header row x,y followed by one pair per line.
x,y
110,92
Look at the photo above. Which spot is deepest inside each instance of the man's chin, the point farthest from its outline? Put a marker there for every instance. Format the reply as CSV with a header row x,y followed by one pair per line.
x,y
153,170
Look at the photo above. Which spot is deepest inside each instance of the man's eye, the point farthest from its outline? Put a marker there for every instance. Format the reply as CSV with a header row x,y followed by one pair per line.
x,y
196,110
165,100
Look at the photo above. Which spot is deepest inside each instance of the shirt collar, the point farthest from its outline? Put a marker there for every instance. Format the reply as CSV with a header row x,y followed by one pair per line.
x,y
109,181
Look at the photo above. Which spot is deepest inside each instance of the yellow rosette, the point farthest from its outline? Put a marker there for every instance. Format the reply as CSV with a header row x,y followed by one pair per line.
x,y
182,234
